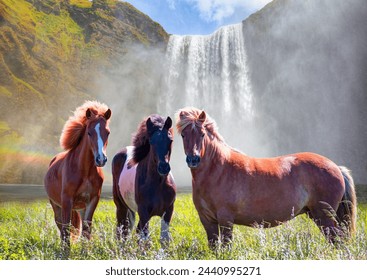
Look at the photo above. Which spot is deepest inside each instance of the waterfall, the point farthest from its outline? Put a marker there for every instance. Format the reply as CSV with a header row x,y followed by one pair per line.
x,y
209,72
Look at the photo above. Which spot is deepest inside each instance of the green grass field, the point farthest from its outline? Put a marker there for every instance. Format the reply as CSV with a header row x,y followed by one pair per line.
x,y
28,231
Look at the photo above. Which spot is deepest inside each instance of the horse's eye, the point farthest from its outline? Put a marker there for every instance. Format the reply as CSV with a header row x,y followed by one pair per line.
x,y
202,135
89,134
183,136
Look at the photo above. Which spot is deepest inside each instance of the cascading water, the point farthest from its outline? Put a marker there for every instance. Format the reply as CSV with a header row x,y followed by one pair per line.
x,y
307,90
209,72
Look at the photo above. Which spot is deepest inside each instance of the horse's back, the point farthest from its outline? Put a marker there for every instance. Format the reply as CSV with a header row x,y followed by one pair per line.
x,y
125,177
320,163
307,166
309,170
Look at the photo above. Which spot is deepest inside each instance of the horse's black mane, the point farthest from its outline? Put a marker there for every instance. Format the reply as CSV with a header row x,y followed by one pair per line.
x,y
140,139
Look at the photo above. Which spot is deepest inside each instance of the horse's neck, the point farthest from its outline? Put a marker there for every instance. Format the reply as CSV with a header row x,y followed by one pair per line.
x,y
150,165
84,155
216,153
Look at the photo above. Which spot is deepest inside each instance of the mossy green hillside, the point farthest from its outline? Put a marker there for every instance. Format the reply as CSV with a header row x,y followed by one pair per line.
x,y
51,55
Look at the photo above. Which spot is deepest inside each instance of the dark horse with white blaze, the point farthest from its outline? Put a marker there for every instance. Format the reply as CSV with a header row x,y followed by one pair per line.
x,y
230,187
74,179
142,181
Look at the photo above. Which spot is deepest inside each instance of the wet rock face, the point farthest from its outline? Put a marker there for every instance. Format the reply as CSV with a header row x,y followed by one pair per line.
x,y
306,60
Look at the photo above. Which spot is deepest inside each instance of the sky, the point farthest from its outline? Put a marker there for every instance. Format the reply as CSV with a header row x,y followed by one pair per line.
x,y
189,17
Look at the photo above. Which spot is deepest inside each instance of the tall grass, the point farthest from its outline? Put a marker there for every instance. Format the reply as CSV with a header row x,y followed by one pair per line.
x,y
28,231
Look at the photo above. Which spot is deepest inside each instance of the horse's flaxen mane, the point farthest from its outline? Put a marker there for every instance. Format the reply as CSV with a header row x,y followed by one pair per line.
x,y
74,127
190,116
140,139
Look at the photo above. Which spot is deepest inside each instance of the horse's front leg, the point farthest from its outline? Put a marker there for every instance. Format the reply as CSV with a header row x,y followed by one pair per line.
x,y
143,225
212,232
165,221
87,217
225,220
66,205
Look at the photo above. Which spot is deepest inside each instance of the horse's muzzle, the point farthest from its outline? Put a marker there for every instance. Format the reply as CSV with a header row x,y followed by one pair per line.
x,y
192,161
163,168
100,160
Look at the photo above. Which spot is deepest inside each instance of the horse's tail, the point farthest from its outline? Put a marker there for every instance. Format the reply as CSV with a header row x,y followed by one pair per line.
x,y
347,210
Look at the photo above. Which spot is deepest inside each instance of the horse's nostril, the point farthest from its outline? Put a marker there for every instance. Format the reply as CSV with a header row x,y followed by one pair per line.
x,y
100,160
164,168
188,159
193,161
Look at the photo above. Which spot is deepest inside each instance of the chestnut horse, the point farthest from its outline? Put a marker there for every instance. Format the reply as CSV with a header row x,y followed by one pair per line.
x,y
74,179
142,181
232,188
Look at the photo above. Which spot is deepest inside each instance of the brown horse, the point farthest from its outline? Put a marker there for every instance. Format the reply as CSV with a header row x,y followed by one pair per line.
x,y
142,181
232,188
74,179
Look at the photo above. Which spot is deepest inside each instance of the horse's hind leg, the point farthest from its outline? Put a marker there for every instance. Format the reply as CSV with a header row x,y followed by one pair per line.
x,y
324,217
125,220
124,216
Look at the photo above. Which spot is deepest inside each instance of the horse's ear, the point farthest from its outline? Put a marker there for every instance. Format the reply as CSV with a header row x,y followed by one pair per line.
x,y
202,117
168,123
107,114
150,126
88,113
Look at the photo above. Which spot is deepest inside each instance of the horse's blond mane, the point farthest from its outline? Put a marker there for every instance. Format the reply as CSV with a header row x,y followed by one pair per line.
x,y
75,126
190,116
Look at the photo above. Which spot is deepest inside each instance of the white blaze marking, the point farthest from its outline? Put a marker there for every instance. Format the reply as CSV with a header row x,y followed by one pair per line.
x,y
127,182
99,140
